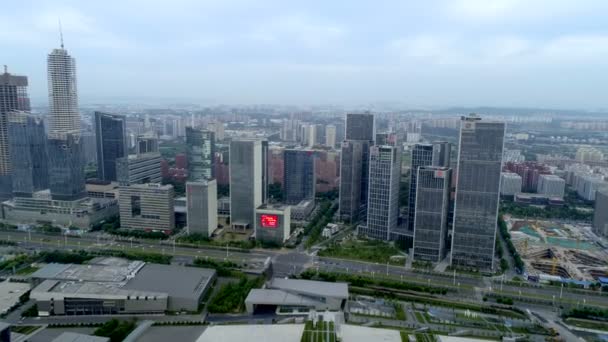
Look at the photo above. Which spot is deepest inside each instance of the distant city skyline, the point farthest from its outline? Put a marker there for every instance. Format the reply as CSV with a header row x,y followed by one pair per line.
x,y
506,53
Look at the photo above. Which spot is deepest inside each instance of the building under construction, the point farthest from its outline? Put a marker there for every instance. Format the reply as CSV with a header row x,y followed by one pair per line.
x,y
558,251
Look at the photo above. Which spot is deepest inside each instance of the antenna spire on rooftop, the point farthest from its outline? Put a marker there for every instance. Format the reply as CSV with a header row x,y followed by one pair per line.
x,y
60,33
5,69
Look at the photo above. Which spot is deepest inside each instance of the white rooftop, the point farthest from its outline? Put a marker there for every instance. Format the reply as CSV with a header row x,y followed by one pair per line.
x,y
10,293
261,333
356,333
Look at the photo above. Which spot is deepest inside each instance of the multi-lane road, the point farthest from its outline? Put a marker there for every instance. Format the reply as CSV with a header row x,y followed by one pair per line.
x,y
294,261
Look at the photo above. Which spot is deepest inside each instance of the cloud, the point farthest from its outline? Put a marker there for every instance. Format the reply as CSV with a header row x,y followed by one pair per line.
x,y
483,9
500,50
299,29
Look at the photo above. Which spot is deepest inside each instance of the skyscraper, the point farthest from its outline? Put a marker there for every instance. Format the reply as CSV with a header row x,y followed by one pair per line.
x,y
64,117
248,180
298,175
27,140
202,206
355,156
477,192
13,97
201,153
422,155
65,149
351,164
111,142
360,126
431,217
383,202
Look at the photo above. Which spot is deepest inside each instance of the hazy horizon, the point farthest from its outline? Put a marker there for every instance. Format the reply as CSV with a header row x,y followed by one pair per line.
x,y
545,54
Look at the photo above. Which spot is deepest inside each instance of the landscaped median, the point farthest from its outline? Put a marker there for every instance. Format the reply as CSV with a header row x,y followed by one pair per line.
x,y
364,250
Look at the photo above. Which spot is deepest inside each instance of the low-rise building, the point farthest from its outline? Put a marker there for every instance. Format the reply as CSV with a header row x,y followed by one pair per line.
x,y
297,295
118,286
302,210
68,336
102,189
41,208
273,223
147,207
329,230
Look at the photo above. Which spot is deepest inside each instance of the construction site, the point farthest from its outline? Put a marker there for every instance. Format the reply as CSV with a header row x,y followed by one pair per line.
x,y
556,251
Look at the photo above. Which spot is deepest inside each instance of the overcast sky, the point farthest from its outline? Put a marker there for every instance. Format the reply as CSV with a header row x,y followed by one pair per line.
x,y
544,53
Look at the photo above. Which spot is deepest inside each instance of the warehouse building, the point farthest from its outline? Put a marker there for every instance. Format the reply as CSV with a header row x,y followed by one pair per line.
x,y
118,286
297,296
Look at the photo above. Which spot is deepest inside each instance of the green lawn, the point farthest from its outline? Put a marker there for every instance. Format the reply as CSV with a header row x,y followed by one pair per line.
x,y
365,250
24,329
27,270
584,323
320,332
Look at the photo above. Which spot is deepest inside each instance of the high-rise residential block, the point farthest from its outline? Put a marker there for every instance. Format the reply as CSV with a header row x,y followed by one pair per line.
x,y
201,199
64,117
330,136
111,142
551,185
28,151
13,97
147,207
510,184
351,163
248,180
600,212
431,217
66,167
298,175
201,153
383,201
139,169
477,192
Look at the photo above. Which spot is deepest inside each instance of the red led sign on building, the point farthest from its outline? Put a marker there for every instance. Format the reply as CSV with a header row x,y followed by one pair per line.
x,y
269,221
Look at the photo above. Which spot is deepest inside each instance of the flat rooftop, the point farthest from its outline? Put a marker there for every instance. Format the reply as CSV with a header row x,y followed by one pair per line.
x,y
177,281
355,333
76,337
277,297
265,333
90,272
322,288
83,289
10,293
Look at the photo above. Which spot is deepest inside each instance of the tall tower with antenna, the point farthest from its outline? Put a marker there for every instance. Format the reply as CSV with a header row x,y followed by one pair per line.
x,y
65,150
64,117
